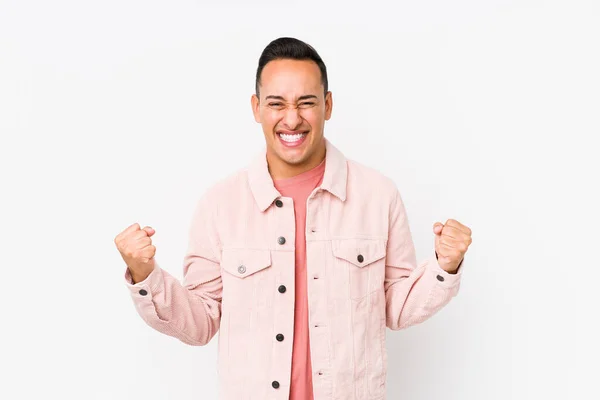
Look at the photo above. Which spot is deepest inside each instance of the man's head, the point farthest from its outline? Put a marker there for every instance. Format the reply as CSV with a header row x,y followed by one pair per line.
x,y
292,103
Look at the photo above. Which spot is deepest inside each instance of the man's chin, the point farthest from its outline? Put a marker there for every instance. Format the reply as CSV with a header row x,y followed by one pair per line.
x,y
292,156
293,160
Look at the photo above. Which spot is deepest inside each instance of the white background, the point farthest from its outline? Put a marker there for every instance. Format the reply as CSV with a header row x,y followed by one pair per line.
x,y
114,112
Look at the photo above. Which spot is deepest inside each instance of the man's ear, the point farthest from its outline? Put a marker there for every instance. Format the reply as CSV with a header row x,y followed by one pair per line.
x,y
328,105
255,103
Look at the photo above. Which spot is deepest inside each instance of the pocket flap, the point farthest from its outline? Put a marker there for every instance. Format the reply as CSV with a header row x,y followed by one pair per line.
x,y
245,262
360,252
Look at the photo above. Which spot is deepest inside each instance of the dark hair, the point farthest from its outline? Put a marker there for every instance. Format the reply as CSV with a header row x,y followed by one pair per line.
x,y
293,49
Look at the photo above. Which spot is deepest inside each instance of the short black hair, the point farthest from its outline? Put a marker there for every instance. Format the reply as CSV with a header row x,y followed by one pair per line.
x,y
292,49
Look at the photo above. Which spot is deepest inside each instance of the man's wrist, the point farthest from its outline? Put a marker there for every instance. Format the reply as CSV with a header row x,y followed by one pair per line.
x,y
136,278
455,270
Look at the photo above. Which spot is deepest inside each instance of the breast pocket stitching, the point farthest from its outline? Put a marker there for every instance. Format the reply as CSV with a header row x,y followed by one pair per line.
x,y
365,261
246,269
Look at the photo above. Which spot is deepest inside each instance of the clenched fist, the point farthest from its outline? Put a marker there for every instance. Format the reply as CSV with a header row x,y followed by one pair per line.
x,y
452,241
137,250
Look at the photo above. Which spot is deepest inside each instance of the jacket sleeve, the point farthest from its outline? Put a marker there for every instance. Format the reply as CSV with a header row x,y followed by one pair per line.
x,y
413,292
191,310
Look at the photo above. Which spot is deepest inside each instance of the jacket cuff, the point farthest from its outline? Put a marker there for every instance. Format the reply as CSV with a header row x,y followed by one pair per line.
x,y
146,288
443,277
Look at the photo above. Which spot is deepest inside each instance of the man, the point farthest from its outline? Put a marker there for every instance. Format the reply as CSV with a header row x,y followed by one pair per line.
x,y
301,260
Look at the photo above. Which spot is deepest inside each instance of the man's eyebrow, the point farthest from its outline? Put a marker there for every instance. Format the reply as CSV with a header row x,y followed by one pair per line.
x,y
304,97
307,96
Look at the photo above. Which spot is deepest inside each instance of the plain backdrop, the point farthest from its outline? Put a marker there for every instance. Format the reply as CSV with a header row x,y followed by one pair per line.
x,y
114,112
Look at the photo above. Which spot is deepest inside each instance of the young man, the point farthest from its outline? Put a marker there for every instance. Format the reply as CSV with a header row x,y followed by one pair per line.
x,y
301,260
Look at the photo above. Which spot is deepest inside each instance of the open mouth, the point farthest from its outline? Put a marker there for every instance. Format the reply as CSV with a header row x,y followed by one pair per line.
x,y
292,139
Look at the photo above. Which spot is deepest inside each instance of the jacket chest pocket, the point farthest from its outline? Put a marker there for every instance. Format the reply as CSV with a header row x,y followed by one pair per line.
x,y
364,261
247,274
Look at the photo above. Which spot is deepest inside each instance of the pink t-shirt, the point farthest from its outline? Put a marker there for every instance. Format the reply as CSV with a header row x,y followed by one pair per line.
x,y
299,188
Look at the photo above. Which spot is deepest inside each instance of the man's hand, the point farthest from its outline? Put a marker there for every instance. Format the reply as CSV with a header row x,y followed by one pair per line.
x,y
137,250
451,243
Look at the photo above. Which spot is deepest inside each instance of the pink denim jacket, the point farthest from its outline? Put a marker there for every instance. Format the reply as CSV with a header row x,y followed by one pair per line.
x,y
239,277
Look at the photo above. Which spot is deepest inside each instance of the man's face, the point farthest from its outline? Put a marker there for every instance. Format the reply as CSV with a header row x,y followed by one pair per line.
x,y
292,110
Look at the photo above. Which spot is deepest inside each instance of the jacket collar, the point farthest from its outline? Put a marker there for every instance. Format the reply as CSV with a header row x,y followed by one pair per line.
x,y
334,178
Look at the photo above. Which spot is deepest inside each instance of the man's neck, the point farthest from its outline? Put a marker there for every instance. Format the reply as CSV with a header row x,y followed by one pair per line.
x,y
282,170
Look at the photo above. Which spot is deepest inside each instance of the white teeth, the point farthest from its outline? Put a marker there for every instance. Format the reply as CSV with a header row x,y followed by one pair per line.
x,y
291,138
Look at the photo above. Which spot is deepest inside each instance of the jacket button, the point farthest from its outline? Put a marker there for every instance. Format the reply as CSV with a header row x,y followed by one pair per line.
x,y
275,384
241,269
279,203
281,289
281,240
143,292
360,258
440,278
279,337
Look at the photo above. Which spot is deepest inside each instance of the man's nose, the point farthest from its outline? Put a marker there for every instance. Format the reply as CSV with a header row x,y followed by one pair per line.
x,y
292,117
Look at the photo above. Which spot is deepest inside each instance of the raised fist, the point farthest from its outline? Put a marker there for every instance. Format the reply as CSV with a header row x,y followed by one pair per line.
x,y
136,248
